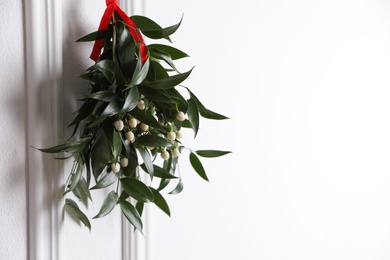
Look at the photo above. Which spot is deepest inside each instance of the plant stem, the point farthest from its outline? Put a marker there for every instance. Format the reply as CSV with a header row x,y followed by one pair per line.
x,y
117,186
113,35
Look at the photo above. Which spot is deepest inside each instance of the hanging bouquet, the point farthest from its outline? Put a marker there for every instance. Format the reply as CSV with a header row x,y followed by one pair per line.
x,y
132,115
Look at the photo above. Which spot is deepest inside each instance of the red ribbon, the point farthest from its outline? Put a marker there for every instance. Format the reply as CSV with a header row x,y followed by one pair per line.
x,y
112,5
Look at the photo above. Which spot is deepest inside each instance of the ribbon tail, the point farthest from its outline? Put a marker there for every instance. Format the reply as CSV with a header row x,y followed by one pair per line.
x,y
143,51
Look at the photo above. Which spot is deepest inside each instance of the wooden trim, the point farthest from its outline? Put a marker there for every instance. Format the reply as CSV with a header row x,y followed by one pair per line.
x,y
43,53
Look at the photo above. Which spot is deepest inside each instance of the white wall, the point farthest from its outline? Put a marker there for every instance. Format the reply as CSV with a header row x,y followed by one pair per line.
x,y
306,86
13,212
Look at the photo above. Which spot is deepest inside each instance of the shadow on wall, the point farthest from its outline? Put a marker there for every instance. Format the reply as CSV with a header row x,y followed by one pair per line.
x,y
75,62
50,110
13,159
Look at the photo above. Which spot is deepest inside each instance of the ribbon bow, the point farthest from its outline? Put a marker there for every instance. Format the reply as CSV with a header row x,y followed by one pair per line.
x,y
112,5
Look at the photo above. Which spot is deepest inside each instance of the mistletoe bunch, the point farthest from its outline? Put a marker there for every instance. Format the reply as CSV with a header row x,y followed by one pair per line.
x,y
132,115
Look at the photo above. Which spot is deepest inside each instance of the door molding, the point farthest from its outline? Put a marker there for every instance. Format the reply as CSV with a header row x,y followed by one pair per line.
x,y
134,245
43,54
45,176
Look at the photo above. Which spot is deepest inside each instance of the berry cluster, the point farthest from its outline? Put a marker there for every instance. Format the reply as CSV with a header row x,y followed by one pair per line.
x,y
132,128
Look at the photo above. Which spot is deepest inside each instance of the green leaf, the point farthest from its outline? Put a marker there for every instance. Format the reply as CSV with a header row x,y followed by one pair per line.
x,y
132,99
211,153
113,108
172,29
125,49
131,214
170,82
156,71
156,95
119,77
105,96
146,118
179,99
100,154
130,169
137,189
97,77
193,115
167,164
178,188
106,67
99,108
78,195
160,55
152,30
153,141
186,124
163,183
206,113
197,165
140,207
83,190
174,161
160,202
74,209
116,144
124,195
140,75
145,23
105,181
173,52
70,147
108,205
76,176
159,172
84,111
86,157
98,35
147,160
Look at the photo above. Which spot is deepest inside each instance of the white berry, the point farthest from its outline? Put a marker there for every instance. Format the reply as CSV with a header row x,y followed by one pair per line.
x,y
175,152
133,123
124,162
171,136
179,135
165,155
144,127
141,104
115,167
119,125
180,116
130,136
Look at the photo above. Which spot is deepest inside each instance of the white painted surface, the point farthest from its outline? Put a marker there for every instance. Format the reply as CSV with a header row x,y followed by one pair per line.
x,y
104,240
309,176
13,239
306,86
31,187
